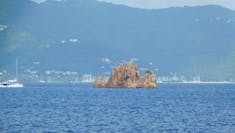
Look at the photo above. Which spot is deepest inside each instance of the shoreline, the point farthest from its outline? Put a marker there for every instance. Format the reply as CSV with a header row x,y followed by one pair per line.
x,y
201,82
158,82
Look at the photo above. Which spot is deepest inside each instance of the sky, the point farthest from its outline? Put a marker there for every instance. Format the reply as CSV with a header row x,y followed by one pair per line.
x,y
156,4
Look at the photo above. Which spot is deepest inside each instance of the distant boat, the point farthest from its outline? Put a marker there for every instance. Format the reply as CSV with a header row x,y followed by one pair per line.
x,y
12,83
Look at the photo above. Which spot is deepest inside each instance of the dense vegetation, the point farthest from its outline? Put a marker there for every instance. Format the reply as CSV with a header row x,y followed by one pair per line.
x,y
76,35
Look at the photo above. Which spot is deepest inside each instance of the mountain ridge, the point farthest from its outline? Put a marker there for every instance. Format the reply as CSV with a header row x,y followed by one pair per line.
x,y
185,41
125,5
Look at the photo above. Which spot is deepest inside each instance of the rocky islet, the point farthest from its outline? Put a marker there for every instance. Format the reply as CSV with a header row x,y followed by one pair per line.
x,y
127,76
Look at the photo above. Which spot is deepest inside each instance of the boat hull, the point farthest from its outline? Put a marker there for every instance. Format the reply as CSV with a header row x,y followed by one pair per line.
x,y
12,85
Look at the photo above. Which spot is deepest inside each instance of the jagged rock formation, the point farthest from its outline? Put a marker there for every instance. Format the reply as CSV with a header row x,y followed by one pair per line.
x,y
127,76
100,82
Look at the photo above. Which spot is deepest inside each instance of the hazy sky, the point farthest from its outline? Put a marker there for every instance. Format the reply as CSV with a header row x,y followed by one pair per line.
x,y
169,3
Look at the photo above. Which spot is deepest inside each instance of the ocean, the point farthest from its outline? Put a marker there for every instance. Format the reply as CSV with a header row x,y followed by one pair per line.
x,y
173,108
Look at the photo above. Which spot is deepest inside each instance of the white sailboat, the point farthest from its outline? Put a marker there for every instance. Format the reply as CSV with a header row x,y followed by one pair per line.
x,y
12,83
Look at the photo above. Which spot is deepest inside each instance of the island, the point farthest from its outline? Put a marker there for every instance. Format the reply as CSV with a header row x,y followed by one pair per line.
x,y
127,76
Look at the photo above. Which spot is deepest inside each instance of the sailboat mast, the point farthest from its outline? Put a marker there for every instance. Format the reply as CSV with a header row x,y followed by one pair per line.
x,y
16,69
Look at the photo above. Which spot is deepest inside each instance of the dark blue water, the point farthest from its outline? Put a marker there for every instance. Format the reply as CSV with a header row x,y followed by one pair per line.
x,y
80,108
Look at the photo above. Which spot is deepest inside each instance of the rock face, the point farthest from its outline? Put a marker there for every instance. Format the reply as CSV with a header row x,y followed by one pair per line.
x,y
100,82
127,76
148,81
